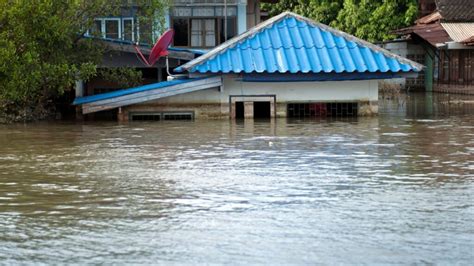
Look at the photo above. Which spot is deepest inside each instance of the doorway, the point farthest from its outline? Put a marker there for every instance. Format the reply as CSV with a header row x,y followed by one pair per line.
x,y
252,106
261,110
239,110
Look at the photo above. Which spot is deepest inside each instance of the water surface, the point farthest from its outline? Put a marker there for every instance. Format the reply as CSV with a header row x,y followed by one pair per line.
x,y
397,188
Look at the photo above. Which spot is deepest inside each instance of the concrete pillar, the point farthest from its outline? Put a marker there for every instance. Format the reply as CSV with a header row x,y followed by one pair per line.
x,y
242,17
272,109
429,63
248,109
122,115
79,89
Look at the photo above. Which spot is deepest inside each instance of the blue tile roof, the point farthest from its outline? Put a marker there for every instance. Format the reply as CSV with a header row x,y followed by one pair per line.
x,y
109,95
289,43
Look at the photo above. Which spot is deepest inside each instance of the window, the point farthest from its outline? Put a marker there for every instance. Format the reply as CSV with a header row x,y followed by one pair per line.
x,y
203,32
231,29
145,116
97,28
180,27
178,116
203,26
321,109
159,116
112,28
115,28
128,33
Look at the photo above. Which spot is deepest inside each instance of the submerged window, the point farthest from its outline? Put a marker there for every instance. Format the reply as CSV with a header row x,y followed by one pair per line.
x,y
321,109
145,117
178,116
159,116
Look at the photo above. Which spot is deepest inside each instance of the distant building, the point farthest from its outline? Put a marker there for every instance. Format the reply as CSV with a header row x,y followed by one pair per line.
x,y
442,40
287,66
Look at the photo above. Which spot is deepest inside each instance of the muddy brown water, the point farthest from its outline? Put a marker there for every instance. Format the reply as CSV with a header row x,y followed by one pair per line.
x,y
397,188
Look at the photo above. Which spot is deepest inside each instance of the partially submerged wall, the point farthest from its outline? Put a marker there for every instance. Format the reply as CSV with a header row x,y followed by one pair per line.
x,y
216,102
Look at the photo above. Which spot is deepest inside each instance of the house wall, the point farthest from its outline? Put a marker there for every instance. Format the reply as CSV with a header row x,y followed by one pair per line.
x,y
413,52
215,103
454,71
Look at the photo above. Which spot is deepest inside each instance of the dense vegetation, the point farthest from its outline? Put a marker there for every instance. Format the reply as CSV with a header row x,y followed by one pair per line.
x,y
371,20
42,52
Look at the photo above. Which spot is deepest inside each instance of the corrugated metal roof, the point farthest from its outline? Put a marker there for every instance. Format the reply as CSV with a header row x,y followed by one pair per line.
x,y
433,33
469,41
292,43
459,31
456,10
109,95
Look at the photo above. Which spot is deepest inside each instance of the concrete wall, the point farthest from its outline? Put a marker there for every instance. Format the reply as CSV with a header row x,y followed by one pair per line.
x,y
413,52
214,103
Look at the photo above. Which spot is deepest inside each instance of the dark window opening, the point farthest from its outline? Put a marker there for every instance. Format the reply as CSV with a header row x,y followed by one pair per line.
x,y
239,110
159,116
261,110
231,29
178,116
145,117
181,28
322,109
203,32
107,115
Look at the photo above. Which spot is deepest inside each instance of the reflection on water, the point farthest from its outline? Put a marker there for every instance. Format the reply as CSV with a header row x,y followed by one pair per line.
x,y
390,189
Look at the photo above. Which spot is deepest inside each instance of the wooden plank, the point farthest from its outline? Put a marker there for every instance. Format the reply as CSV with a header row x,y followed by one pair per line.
x,y
151,95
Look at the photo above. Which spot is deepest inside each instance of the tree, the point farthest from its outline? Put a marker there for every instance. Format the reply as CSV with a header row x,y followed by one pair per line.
x,y
371,20
374,20
43,52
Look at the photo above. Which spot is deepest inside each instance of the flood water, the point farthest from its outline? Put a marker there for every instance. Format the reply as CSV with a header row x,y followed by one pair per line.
x,y
392,189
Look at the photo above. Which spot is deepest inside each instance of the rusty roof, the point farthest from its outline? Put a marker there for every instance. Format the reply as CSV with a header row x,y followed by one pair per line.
x,y
435,16
433,33
456,10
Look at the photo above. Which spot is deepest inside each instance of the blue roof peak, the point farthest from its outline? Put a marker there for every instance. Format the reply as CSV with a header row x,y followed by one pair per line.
x,y
290,43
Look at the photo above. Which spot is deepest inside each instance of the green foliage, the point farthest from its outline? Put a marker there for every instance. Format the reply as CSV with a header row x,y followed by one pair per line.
x,y
371,20
42,52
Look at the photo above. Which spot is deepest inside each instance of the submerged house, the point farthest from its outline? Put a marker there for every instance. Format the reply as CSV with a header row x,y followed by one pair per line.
x,y
443,40
287,66
199,26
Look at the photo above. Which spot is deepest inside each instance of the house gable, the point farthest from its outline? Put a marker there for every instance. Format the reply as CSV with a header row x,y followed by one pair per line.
x,y
294,44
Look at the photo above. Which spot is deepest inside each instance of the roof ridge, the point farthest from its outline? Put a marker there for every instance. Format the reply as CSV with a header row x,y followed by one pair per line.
x,y
359,41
